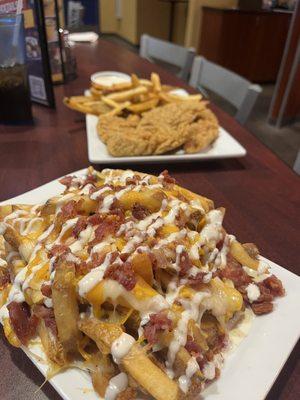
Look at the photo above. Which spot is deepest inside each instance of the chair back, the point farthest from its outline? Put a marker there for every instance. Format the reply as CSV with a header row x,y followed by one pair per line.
x,y
238,91
182,57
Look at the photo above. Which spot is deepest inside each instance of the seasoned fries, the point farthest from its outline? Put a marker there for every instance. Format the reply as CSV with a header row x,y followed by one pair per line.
x,y
130,277
172,121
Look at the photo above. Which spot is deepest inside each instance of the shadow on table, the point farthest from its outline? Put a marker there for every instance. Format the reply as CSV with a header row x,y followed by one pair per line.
x,y
23,363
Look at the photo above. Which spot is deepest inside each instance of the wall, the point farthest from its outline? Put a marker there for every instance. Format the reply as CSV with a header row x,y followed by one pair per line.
x,y
193,24
180,18
153,18
126,26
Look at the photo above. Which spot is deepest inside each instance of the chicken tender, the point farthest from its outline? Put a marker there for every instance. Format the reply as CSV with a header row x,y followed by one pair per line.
x,y
163,129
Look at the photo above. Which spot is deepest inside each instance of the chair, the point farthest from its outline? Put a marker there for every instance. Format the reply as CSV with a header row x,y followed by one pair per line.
x,y
297,164
182,57
238,91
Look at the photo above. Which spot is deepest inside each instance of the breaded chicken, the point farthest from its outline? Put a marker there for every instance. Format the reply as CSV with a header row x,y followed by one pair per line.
x,y
160,130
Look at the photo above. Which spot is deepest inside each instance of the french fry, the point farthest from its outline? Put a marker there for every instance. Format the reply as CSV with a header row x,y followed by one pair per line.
x,y
144,106
155,79
127,94
119,108
136,362
240,254
65,307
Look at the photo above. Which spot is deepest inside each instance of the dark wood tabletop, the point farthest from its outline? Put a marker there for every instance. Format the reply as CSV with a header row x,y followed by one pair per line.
x,y
261,194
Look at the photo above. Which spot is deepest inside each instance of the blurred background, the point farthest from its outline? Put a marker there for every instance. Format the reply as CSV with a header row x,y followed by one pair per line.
x,y
245,36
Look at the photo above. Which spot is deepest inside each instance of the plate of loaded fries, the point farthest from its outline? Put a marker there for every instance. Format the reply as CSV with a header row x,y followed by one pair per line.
x,y
123,285
143,120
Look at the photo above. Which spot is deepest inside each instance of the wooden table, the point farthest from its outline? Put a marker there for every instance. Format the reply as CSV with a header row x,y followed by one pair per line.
x,y
261,194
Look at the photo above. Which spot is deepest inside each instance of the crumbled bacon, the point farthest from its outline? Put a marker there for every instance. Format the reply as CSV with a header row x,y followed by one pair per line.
x,y
235,272
139,212
196,280
24,324
134,180
4,278
192,347
80,226
122,273
95,219
47,314
66,181
109,225
46,290
158,322
104,229
184,263
70,209
274,285
58,250
166,178
90,179
82,268
262,308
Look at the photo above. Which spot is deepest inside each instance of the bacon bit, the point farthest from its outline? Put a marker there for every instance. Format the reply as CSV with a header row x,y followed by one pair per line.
x,y
23,323
4,278
70,209
109,225
262,308
80,226
133,180
274,285
66,181
196,280
46,290
104,229
157,322
47,314
123,274
192,347
235,272
265,294
184,263
95,219
90,179
58,250
82,268
139,212
166,178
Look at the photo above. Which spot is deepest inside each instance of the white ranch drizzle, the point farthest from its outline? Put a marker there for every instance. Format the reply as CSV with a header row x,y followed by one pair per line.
x,y
116,385
192,311
90,280
185,380
121,347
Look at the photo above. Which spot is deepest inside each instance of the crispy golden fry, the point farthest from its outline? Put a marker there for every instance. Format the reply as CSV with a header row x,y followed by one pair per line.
x,y
66,307
155,79
127,94
135,80
151,199
240,254
143,106
118,109
52,347
136,362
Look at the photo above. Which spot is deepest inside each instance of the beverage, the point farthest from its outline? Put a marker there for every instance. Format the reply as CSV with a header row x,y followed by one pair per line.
x,y
14,94
15,104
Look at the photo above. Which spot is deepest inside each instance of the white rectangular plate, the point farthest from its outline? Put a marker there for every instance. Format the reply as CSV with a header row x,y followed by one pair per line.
x,y
249,371
225,146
